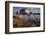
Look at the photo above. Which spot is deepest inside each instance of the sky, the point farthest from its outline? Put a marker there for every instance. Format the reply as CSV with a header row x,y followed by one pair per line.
x,y
33,9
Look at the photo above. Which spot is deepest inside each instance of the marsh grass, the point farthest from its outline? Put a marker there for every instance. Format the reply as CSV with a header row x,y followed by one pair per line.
x,y
21,22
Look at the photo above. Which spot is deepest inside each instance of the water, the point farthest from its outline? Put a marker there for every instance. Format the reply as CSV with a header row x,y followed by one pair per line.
x,y
32,17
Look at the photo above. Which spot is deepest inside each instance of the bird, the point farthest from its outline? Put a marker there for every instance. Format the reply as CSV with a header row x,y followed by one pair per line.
x,y
24,11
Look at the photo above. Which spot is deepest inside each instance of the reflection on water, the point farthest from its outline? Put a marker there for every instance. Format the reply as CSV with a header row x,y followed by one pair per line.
x,y
32,17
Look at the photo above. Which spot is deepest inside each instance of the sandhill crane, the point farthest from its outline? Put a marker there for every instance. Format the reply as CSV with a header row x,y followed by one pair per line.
x,y
24,11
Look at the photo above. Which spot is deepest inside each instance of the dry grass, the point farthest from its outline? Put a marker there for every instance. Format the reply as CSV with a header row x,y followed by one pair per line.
x,y
19,22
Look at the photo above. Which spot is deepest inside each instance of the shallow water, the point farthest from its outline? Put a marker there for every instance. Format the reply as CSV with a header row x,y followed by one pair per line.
x,y
32,17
